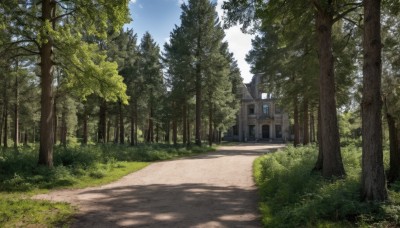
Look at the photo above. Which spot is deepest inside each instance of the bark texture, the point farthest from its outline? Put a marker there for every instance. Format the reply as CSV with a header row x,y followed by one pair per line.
x,y
373,181
320,160
46,83
332,159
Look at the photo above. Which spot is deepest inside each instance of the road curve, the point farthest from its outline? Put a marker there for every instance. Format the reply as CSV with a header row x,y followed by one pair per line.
x,y
210,190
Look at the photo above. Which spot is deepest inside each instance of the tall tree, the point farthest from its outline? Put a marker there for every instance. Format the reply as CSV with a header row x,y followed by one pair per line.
x,y
150,69
373,181
287,16
50,28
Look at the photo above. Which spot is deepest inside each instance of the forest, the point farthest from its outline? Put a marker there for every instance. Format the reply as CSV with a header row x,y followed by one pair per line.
x,y
85,101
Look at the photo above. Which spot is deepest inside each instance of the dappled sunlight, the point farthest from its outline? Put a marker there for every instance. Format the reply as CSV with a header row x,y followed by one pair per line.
x,y
170,205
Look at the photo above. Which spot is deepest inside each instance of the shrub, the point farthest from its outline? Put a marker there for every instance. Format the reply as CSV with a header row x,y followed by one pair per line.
x,y
293,196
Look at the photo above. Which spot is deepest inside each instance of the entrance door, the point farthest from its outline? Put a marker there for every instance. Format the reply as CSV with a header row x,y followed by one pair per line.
x,y
265,131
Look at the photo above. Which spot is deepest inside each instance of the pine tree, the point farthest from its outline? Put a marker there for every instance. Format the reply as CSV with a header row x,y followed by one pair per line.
x,y
54,32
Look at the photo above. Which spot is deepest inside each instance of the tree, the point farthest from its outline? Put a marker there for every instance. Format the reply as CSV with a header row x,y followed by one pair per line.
x,y
292,15
199,22
373,181
52,30
150,69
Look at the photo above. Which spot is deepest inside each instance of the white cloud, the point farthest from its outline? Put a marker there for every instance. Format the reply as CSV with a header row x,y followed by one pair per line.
x,y
133,1
239,45
180,2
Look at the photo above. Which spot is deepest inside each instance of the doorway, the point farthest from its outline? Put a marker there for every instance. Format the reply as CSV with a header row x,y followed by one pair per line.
x,y
265,131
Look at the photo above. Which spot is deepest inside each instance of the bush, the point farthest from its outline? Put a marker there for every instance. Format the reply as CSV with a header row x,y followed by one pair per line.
x,y
19,170
293,196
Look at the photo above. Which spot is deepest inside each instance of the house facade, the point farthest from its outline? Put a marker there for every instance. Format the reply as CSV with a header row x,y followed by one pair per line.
x,y
260,117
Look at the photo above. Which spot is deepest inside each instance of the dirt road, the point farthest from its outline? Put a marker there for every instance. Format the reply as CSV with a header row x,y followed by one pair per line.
x,y
210,190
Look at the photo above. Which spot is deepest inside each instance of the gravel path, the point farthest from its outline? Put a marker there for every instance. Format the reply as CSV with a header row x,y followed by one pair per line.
x,y
211,190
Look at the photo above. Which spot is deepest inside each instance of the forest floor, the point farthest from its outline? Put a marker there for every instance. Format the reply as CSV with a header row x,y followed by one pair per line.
x,y
210,190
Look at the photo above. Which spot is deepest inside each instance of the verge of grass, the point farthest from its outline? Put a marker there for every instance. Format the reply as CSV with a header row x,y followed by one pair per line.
x,y
293,196
18,211
76,167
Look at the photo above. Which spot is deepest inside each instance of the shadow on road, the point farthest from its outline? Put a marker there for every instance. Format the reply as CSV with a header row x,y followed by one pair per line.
x,y
185,205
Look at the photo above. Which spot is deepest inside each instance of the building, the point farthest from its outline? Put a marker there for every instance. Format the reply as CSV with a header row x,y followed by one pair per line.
x,y
259,118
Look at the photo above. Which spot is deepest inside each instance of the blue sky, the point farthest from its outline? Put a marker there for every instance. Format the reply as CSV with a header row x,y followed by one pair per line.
x,y
159,17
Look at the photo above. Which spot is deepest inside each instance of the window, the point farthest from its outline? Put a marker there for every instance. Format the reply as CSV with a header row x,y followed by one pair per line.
x,y
265,109
251,109
252,131
264,96
278,131
278,109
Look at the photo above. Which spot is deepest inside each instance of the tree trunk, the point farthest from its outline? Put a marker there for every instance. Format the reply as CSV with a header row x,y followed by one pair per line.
x,y
116,132
332,159
210,127
189,142
25,137
5,121
85,126
132,129
149,135
167,132
373,181
157,131
46,102
135,116
121,124
296,124
55,120
319,163
102,138
16,113
306,133
198,92
63,130
394,167
1,124
184,122
174,132
108,127
312,126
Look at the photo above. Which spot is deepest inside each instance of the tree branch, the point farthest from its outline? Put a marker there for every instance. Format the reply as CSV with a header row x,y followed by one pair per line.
x,y
343,14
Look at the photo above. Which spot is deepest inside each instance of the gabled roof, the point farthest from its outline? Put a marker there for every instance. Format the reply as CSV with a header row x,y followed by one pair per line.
x,y
246,95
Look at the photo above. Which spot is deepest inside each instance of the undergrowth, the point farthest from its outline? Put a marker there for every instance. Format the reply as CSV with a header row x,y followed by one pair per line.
x,y
293,196
74,167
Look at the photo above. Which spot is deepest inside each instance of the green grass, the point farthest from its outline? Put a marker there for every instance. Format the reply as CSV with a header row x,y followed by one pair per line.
x,y
293,196
17,211
77,167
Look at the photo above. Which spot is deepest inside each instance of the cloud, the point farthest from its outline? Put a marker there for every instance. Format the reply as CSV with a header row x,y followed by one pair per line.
x,y
133,1
140,6
239,45
180,2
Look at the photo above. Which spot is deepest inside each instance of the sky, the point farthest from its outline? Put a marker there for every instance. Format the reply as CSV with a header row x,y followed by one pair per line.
x,y
159,17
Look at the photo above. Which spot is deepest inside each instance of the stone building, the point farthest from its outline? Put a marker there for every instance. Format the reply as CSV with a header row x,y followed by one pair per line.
x,y
259,118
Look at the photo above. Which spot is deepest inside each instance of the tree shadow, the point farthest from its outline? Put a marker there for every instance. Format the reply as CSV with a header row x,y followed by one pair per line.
x,y
185,205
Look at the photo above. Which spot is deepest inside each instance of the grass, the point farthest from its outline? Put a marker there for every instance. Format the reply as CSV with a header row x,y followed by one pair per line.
x,y
293,196
76,167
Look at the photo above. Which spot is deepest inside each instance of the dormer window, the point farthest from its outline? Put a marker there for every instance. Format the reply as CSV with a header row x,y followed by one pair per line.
x,y
264,96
